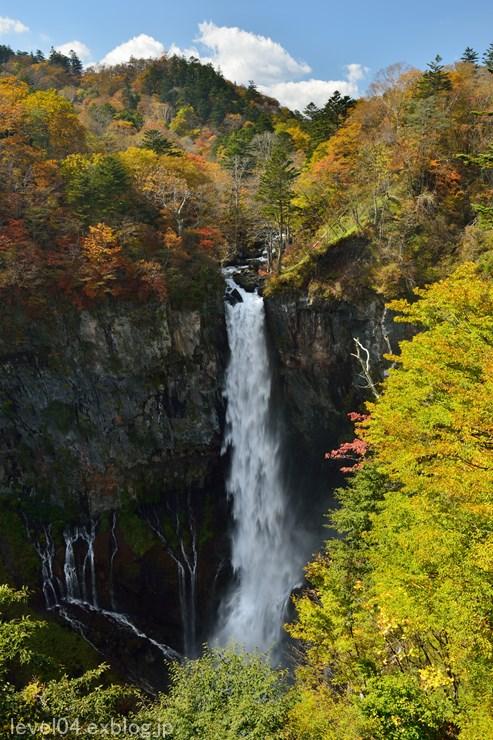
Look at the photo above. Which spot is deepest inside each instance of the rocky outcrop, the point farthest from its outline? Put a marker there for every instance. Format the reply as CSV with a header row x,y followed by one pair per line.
x,y
110,441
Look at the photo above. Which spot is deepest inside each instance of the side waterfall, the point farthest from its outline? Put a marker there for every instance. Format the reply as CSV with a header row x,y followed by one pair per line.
x,y
78,587
265,557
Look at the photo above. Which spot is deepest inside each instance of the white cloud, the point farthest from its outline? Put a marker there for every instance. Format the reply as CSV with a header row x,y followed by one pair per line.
x,y
139,47
297,95
356,72
82,51
11,25
243,56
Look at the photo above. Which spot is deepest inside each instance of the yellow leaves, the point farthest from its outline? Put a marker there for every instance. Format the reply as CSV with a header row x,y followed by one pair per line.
x,y
32,692
12,89
434,677
299,137
53,123
464,292
100,244
102,260
139,161
386,622
481,554
434,425
12,94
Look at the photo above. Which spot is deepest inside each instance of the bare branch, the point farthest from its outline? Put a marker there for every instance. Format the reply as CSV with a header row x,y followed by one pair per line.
x,y
362,354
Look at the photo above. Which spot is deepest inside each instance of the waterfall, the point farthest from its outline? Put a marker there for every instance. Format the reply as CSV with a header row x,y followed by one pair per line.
x,y
45,547
265,557
78,588
186,560
69,565
72,582
89,536
114,551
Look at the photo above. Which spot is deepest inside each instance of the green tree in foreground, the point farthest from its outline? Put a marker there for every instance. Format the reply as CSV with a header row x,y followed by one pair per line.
x,y
223,696
27,696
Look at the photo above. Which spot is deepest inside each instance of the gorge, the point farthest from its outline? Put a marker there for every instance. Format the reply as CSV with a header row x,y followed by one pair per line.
x,y
143,549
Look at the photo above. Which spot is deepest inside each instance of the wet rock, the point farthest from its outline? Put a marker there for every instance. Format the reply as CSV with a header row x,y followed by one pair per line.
x,y
247,279
234,296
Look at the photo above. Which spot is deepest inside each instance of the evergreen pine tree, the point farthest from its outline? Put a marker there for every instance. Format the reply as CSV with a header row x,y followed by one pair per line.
x,y
156,142
5,53
59,59
75,63
488,58
435,79
470,55
275,193
322,123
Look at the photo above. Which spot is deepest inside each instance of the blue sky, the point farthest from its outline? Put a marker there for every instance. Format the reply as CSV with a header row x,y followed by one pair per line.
x,y
293,50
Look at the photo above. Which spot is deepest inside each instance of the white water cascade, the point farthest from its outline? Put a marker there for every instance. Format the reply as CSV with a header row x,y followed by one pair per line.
x,y
78,588
265,557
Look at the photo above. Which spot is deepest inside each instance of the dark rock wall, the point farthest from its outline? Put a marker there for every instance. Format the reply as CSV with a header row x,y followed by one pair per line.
x,y
321,380
118,411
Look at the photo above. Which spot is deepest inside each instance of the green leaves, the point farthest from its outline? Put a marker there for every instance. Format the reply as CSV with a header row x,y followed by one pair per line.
x,y
222,696
97,186
435,80
26,694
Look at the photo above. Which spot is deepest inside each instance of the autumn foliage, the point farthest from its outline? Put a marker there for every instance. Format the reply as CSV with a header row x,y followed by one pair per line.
x,y
353,451
88,225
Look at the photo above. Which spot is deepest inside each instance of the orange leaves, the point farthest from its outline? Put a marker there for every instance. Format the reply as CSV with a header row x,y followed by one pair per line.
x,y
171,240
12,94
446,177
103,259
21,262
209,237
106,271
100,244
97,270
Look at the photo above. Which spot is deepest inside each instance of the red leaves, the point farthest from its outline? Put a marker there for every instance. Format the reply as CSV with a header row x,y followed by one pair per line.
x,y
209,237
353,451
355,417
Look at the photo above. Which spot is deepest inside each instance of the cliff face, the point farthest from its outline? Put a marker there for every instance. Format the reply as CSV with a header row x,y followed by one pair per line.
x,y
314,343
110,460
112,401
